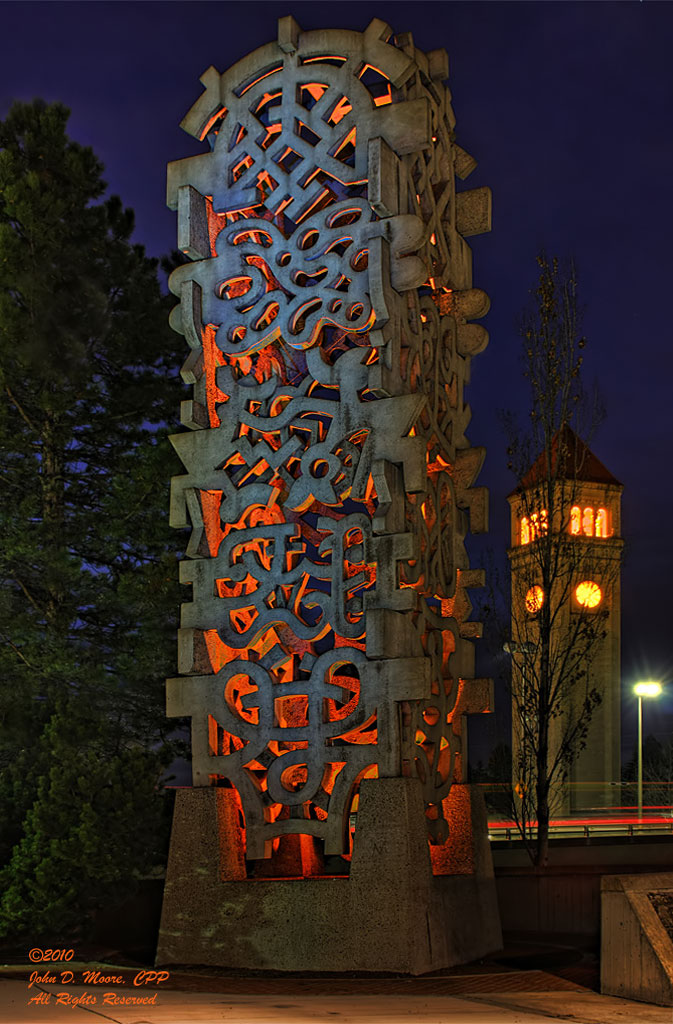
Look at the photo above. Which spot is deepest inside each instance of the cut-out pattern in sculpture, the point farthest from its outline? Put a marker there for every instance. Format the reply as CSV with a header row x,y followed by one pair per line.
x,y
328,480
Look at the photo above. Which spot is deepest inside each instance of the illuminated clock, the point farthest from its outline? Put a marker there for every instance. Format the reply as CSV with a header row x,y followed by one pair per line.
x,y
588,594
534,599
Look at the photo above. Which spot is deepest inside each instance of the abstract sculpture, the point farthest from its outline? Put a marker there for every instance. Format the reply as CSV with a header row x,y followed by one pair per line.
x,y
328,481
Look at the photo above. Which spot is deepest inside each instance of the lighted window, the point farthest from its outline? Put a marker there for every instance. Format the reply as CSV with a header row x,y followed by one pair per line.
x,y
588,594
538,524
602,523
534,599
588,522
575,519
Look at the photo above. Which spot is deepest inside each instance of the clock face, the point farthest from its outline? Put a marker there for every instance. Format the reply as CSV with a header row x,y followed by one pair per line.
x,y
588,594
534,599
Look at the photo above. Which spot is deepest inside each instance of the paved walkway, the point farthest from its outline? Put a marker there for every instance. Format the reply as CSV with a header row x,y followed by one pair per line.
x,y
479,999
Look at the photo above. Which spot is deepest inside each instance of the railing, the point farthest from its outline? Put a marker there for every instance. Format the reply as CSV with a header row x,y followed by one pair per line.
x,y
586,828
587,810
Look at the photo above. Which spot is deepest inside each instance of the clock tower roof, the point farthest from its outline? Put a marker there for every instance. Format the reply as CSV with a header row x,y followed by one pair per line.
x,y
571,460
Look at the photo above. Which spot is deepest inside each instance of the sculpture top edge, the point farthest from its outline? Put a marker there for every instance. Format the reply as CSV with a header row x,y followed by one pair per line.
x,y
373,46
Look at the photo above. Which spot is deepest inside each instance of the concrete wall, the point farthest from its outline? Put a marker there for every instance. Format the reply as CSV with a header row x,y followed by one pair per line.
x,y
566,899
559,903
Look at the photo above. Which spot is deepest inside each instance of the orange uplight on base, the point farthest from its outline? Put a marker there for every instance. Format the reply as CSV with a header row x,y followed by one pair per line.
x,y
295,855
456,855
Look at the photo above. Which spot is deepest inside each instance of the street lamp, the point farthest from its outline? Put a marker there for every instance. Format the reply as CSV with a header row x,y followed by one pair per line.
x,y
648,689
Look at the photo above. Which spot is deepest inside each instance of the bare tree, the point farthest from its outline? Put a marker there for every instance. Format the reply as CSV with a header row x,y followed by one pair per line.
x,y
564,566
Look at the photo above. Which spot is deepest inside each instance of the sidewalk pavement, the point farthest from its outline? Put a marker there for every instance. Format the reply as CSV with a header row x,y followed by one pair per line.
x,y
520,997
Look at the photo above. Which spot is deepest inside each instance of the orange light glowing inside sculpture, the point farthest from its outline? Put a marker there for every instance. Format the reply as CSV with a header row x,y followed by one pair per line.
x,y
259,78
342,108
588,594
370,772
239,687
212,358
216,116
380,89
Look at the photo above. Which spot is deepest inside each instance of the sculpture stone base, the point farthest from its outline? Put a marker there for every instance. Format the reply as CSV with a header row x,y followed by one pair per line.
x,y
390,914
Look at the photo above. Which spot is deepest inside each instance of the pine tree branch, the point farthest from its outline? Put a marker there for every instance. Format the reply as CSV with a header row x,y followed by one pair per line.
x,y
19,408
28,594
17,650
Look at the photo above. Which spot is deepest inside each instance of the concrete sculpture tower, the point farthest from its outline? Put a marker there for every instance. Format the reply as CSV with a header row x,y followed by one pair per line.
x,y
324,656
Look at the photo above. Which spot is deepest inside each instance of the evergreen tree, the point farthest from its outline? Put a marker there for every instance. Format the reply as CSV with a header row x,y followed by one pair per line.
x,y
88,586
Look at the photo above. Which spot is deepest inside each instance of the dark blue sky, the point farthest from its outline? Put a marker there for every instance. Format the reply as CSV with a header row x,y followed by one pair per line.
x,y
568,109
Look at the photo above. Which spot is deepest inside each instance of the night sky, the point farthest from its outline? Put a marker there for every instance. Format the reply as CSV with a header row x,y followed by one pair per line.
x,y
568,108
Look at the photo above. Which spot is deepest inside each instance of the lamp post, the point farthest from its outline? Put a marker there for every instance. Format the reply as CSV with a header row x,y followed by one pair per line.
x,y
649,689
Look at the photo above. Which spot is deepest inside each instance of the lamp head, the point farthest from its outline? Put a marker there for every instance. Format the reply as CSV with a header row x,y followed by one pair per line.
x,y
648,689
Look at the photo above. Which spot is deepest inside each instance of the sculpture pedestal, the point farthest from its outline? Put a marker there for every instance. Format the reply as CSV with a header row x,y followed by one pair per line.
x,y
391,914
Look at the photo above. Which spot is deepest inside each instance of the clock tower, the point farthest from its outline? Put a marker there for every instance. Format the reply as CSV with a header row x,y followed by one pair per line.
x,y
565,558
